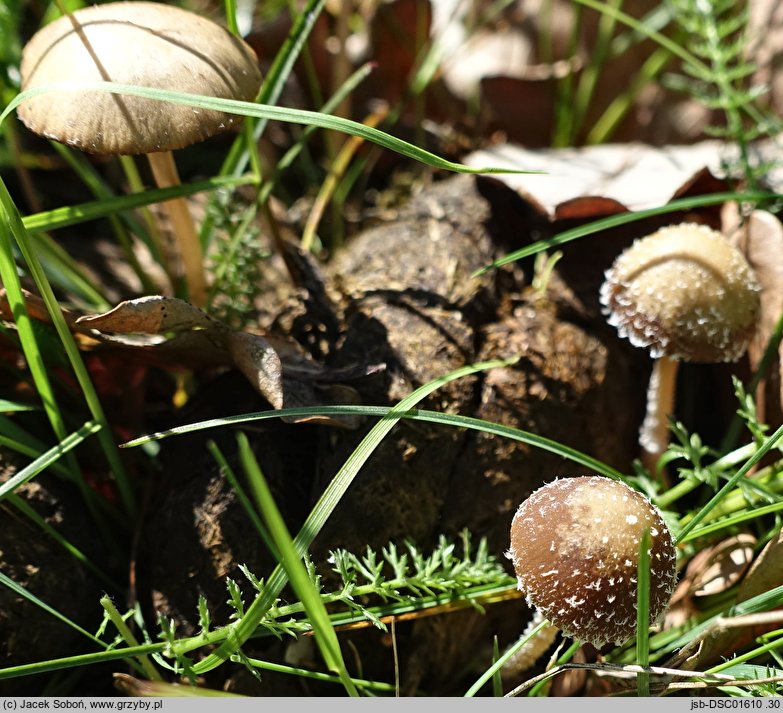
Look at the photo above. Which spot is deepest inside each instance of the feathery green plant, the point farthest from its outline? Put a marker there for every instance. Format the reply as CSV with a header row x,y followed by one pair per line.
x,y
716,32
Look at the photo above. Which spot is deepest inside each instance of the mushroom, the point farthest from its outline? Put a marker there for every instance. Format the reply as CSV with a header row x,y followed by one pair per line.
x,y
144,44
575,549
685,292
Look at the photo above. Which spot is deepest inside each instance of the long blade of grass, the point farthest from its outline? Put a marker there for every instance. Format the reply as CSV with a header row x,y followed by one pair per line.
x,y
228,473
116,618
288,157
291,561
675,48
275,81
120,223
643,614
80,660
241,630
763,602
763,449
614,221
22,592
93,210
378,686
446,419
27,338
265,111
7,406
25,245
64,271
46,459
17,439
752,514
498,664
240,152
75,552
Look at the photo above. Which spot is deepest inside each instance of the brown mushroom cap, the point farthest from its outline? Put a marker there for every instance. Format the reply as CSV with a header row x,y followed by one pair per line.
x,y
575,549
144,44
684,292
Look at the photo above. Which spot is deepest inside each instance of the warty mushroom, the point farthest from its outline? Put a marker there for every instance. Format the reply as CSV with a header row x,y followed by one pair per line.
x,y
685,292
145,44
575,549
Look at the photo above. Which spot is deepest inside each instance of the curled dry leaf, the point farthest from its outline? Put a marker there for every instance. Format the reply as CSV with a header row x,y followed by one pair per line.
x,y
152,315
764,574
763,244
258,361
710,571
721,566
618,174
170,332
160,321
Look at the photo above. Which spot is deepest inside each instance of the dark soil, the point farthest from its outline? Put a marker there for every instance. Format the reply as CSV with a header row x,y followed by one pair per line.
x,y
402,295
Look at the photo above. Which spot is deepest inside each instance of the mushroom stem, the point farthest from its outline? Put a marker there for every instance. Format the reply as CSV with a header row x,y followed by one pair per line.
x,y
533,649
654,432
164,170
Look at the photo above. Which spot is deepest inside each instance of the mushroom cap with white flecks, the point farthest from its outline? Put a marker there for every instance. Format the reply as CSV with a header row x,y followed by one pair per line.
x,y
684,292
575,550
138,43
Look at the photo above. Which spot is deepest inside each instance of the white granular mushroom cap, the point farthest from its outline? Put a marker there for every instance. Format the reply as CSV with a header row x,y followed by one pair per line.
x,y
575,549
684,292
144,44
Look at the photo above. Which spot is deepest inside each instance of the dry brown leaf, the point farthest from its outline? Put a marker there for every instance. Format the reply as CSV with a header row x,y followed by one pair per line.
x,y
178,327
627,176
258,361
152,315
173,333
763,245
721,566
766,573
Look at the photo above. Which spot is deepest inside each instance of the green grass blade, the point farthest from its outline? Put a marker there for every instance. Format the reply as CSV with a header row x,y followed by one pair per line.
x,y
378,686
753,514
291,561
446,419
675,48
265,111
614,221
64,271
22,592
46,459
643,614
80,660
93,210
498,664
288,157
769,443
7,406
17,439
228,473
275,80
75,552
27,338
241,630
127,635
121,223
24,243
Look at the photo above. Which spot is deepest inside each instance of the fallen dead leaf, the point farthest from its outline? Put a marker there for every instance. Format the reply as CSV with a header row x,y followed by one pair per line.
x,y
721,566
763,245
154,321
765,574
625,176
170,332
